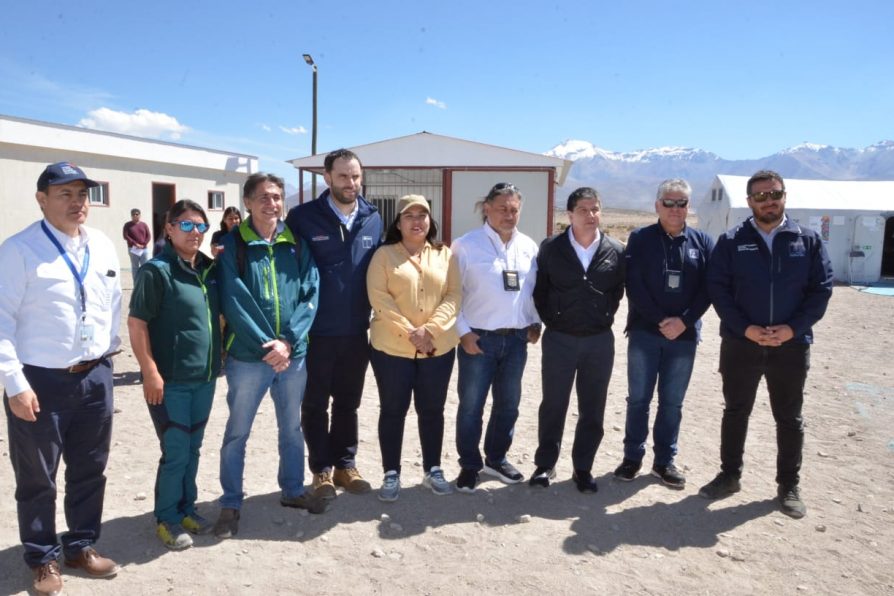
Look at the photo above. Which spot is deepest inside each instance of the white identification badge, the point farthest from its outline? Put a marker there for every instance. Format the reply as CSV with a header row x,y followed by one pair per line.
x,y
86,334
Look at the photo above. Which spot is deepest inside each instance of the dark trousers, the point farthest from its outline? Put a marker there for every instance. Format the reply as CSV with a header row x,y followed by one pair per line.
x,y
590,359
742,364
425,381
336,367
74,425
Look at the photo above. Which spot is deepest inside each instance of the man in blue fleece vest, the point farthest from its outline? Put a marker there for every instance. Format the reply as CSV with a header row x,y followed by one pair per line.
x,y
342,230
770,281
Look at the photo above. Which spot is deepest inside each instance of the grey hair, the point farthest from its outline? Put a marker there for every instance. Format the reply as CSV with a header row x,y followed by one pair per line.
x,y
674,185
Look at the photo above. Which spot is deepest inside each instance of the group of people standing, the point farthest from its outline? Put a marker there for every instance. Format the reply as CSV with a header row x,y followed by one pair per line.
x,y
311,300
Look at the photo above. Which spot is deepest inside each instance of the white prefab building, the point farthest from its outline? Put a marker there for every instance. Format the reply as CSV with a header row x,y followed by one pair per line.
x,y
854,218
137,173
453,174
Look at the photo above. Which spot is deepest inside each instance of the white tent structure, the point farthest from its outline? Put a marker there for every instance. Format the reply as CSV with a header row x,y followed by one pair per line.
x,y
854,218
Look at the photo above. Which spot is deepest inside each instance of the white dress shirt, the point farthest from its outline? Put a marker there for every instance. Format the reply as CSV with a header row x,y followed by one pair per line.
x,y
40,305
584,254
482,257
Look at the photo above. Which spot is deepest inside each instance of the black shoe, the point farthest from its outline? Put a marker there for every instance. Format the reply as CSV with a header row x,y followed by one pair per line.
x,y
669,476
227,524
627,470
790,500
307,501
584,481
467,480
723,485
542,476
505,471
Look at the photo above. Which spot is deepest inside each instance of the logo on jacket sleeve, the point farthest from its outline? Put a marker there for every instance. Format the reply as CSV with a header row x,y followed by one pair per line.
x,y
366,241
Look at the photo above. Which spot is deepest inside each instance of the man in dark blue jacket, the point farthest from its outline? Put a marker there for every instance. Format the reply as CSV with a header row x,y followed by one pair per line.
x,y
770,281
667,294
342,230
580,283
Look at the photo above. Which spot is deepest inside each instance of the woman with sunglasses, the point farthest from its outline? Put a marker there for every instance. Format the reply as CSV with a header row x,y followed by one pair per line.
x,y
175,334
414,291
230,220
497,267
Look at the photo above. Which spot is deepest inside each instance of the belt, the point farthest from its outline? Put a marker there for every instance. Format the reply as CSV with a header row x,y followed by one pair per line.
x,y
87,365
501,331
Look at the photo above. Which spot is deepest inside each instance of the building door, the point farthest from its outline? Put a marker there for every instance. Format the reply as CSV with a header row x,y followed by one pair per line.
x,y
888,249
163,196
866,254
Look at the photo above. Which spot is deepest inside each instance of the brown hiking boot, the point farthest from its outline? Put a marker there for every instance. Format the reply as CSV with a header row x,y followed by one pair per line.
x,y
323,486
351,480
93,563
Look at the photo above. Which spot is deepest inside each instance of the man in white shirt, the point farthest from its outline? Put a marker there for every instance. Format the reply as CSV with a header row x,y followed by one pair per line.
x,y
60,310
580,283
497,321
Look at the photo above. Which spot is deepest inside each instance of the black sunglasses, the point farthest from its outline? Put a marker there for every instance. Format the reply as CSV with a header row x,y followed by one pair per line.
x,y
767,195
187,226
670,203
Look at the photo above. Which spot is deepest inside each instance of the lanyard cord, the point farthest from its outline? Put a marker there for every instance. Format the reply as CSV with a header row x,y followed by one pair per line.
x,y
78,276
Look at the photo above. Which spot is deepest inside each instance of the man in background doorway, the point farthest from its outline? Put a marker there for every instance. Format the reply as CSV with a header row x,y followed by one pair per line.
x,y
138,237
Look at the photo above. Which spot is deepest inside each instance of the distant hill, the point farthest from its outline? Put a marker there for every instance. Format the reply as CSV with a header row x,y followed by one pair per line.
x,y
629,180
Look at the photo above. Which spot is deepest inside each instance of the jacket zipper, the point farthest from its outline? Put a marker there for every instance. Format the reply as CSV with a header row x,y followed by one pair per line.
x,y
275,287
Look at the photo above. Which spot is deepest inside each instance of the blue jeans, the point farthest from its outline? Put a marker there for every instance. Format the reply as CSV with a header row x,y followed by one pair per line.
x,y
651,358
248,383
179,422
500,366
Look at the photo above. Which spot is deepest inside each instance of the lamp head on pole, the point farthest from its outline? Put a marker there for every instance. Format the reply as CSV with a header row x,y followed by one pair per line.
x,y
310,61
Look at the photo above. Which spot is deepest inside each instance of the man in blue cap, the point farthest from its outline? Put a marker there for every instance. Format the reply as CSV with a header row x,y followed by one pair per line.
x,y
60,310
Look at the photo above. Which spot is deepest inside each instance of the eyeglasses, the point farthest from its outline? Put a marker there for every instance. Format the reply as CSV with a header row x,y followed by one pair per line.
x,y
499,186
767,195
671,203
187,226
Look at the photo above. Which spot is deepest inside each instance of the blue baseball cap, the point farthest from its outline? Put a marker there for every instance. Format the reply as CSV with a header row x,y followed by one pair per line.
x,y
62,173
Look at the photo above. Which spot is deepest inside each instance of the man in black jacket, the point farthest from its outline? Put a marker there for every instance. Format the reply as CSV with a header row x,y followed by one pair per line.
x,y
580,282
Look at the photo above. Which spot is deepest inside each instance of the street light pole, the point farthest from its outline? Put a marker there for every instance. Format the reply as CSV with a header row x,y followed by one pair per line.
x,y
313,143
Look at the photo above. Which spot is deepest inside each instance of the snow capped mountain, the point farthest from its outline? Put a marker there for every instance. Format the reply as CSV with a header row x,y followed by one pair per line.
x,y
629,180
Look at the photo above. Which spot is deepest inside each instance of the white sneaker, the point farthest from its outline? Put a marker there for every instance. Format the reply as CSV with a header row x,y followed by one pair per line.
x,y
390,487
435,480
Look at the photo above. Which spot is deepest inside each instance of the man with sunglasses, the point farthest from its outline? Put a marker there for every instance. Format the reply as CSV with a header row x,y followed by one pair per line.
x,y
580,283
667,296
770,281
60,309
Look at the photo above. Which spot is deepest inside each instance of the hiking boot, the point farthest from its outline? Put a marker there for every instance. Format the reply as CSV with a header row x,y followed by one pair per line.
x,y
467,480
351,480
669,476
505,471
627,470
790,500
542,476
227,524
323,486
173,536
435,480
390,490
723,485
48,578
196,524
311,502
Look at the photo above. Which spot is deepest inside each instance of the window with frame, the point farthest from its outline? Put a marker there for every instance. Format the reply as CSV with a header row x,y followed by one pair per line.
x,y
99,195
215,199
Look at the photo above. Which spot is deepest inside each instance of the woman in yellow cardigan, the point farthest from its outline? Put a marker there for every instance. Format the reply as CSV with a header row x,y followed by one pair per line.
x,y
415,290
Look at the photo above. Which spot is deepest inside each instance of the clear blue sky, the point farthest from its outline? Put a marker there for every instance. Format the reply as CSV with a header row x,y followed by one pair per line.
x,y
743,80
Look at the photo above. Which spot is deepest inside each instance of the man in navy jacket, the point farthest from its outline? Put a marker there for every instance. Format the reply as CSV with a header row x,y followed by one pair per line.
x,y
342,230
667,294
770,281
